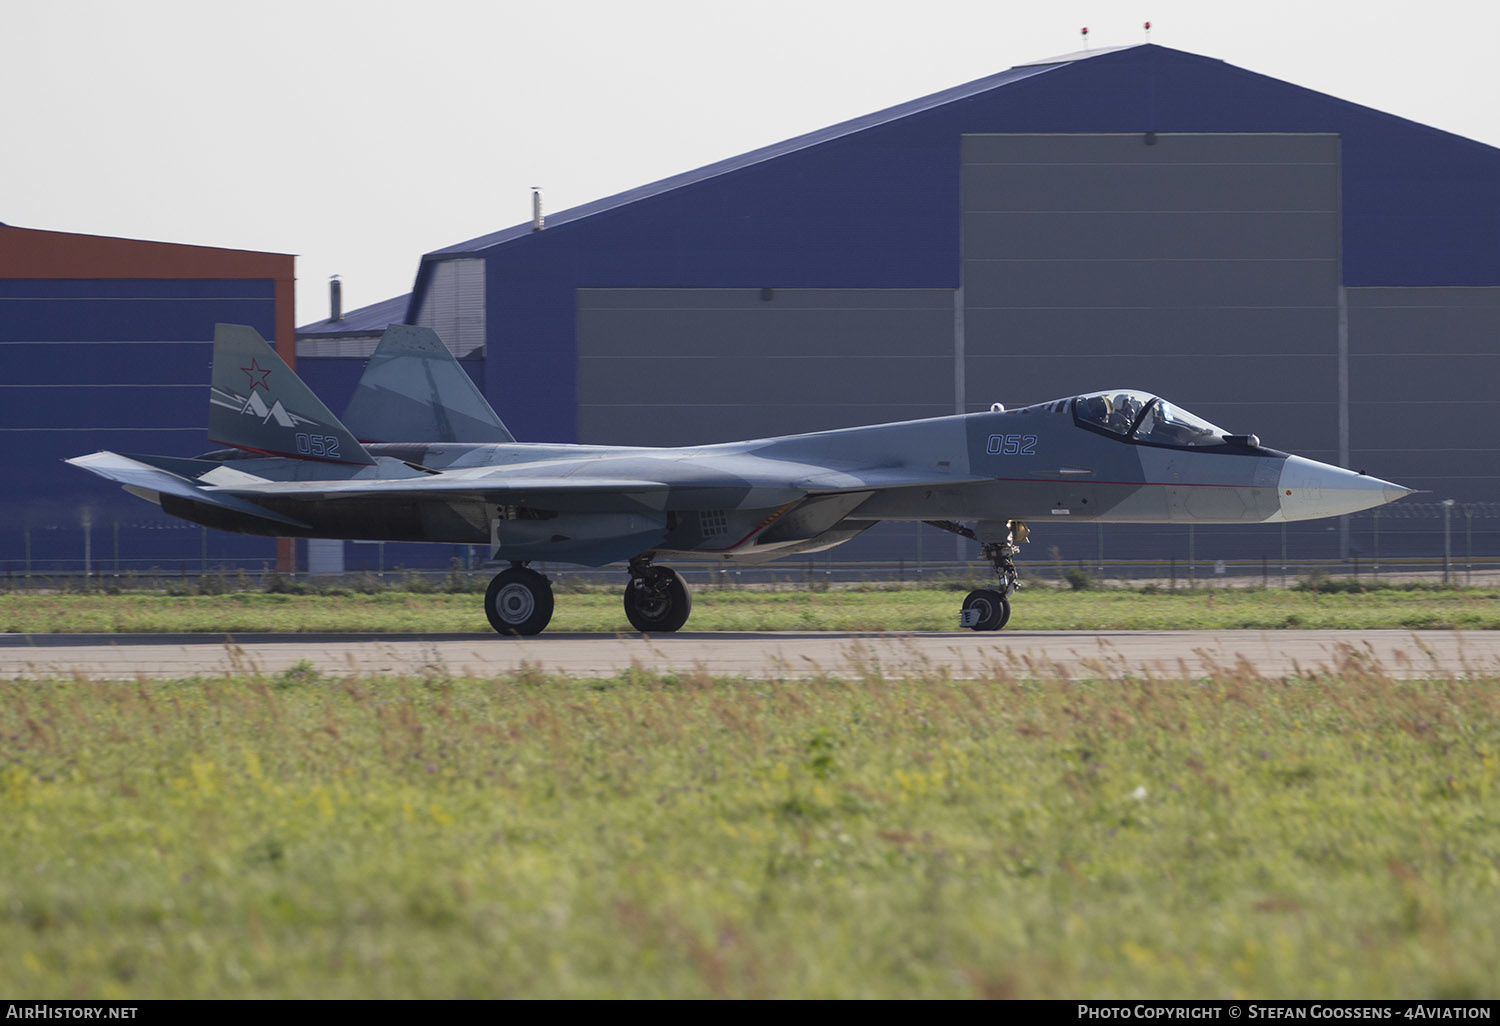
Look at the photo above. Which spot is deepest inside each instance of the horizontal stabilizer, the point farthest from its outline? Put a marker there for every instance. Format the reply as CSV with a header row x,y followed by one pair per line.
x,y
260,405
150,482
415,391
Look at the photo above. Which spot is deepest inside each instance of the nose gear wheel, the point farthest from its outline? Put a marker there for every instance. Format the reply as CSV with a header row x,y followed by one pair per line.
x,y
985,610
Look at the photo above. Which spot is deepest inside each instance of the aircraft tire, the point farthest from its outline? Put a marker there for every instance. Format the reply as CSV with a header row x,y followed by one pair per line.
x,y
658,613
518,602
993,609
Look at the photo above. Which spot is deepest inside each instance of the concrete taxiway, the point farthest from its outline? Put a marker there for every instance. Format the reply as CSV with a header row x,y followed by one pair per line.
x,y
788,655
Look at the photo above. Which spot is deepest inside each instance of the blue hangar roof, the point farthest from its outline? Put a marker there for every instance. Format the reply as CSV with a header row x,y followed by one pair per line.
x,y
744,160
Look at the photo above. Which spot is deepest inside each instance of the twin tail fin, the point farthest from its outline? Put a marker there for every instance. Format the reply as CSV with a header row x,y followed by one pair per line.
x,y
412,390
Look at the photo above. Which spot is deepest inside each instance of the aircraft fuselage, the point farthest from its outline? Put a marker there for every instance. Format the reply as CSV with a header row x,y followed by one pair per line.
x,y
760,498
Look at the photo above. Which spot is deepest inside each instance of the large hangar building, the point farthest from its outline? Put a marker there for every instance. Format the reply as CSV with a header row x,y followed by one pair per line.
x,y
1274,259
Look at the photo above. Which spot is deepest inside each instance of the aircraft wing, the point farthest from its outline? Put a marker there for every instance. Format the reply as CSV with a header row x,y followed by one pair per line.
x,y
733,481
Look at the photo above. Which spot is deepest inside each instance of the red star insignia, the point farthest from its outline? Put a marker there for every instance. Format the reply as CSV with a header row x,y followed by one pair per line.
x,y
253,372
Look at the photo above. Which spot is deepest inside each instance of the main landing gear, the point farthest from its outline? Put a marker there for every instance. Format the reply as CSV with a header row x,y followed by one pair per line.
x,y
518,601
988,609
656,598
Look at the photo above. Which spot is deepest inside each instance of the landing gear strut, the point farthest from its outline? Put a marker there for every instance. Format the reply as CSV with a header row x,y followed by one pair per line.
x,y
987,609
518,601
656,598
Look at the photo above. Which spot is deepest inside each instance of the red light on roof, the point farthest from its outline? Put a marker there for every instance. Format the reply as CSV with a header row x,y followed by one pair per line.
x,y
1085,30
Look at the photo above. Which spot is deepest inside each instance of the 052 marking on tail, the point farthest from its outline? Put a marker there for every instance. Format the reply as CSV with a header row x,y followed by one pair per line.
x,y
421,456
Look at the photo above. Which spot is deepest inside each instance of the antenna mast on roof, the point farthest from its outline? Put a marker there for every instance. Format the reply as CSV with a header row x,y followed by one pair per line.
x,y
1085,34
538,222
1148,31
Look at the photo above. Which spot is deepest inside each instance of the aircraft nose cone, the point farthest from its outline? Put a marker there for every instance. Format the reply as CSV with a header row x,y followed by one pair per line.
x,y
1309,489
1395,491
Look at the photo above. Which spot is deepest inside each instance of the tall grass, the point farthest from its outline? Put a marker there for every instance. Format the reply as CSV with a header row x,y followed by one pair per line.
x,y
1328,835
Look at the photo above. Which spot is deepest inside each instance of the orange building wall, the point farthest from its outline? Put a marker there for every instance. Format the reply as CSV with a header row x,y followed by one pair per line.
x,y
30,253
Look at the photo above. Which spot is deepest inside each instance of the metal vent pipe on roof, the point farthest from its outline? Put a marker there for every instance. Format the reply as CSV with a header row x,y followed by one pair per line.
x,y
335,299
538,222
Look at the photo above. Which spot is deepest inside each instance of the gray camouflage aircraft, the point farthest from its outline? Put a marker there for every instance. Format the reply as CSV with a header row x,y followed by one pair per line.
x,y
421,456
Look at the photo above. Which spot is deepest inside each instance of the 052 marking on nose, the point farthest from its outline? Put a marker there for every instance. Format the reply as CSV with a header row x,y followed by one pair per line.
x,y
1012,445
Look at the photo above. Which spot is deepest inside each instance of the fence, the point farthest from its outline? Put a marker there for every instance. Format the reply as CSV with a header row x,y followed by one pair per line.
x,y
806,575
1429,541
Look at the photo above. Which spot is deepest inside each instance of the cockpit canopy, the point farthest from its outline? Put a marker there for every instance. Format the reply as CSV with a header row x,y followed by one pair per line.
x,y
1141,417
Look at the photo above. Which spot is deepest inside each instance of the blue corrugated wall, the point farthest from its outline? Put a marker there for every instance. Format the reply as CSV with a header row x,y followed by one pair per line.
x,y
120,364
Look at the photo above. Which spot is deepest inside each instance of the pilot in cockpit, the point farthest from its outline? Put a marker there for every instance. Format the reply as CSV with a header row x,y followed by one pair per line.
x,y
1126,409
1097,409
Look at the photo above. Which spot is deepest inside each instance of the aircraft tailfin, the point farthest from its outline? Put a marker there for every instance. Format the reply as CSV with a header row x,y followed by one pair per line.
x,y
259,404
415,391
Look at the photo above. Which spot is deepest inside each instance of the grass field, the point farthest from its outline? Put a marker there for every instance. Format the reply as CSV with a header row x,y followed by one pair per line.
x,y
894,610
289,836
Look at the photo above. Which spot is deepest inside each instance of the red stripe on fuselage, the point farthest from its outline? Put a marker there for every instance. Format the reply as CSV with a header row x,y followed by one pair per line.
x,y
759,528
290,455
1131,484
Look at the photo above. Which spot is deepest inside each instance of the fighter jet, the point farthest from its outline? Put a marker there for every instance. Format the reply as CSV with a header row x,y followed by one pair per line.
x,y
421,456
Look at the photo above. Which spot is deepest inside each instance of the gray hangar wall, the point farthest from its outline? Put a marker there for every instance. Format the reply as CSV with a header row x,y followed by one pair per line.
x,y
1424,385
687,366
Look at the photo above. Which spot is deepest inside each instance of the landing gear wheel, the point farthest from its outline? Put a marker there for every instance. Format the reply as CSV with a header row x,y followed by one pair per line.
x,y
659,603
985,610
518,601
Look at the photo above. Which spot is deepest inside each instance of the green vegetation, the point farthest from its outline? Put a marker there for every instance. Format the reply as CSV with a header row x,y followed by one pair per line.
x,y
643,836
1088,607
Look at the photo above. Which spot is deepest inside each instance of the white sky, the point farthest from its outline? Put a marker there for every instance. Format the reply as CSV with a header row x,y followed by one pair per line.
x,y
360,134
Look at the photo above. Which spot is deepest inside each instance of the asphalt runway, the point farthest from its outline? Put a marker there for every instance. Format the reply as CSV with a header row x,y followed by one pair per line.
x,y
787,655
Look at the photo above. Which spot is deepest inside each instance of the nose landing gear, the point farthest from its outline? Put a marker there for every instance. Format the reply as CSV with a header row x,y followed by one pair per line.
x,y
988,609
